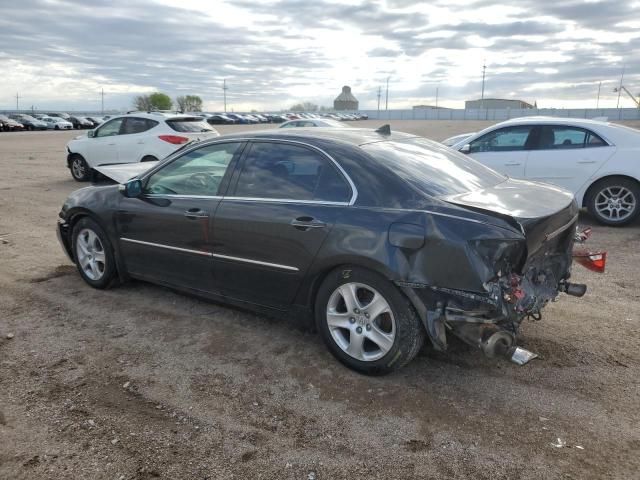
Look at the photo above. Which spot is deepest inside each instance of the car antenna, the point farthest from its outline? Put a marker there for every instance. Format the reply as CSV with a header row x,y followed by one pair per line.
x,y
384,130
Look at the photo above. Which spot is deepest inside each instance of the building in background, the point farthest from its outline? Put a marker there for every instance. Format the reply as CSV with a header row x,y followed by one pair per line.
x,y
496,103
346,100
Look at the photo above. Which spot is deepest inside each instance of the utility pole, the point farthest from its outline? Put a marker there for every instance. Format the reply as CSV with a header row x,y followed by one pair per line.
x,y
224,90
17,101
484,69
379,94
102,103
386,101
598,100
620,87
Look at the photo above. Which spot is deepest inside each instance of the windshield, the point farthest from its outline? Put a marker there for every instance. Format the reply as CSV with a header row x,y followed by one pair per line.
x,y
189,125
433,168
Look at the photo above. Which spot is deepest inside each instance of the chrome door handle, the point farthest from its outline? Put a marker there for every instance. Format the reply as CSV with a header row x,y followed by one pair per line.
x,y
586,161
512,164
193,213
304,223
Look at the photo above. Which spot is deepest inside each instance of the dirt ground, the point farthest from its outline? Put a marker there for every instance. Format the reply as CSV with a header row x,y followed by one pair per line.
x,y
139,382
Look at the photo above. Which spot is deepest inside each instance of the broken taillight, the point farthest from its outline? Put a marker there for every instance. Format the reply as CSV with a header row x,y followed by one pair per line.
x,y
175,139
595,261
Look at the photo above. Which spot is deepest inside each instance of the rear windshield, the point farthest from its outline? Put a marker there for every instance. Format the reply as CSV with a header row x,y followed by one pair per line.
x,y
189,124
433,168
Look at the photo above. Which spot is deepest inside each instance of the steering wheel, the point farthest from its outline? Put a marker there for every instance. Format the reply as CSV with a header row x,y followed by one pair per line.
x,y
199,181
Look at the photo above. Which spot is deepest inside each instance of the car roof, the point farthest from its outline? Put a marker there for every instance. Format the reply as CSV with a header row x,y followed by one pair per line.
x,y
555,120
354,136
155,115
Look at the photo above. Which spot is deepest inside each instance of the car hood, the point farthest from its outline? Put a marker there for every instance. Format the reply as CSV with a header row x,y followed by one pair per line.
x,y
121,173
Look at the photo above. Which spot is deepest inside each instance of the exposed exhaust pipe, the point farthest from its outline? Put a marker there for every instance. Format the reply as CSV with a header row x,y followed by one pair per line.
x,y
493,342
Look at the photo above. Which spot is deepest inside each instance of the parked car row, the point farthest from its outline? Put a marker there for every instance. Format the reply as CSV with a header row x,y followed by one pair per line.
x,y
253,118
47,121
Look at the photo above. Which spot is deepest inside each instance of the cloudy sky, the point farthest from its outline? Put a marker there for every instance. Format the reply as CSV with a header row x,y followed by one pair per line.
x,y
58,54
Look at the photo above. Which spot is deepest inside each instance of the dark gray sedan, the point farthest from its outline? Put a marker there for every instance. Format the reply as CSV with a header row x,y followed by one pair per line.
x,y
383,239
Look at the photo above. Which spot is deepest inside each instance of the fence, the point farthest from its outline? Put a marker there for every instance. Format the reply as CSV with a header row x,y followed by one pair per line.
x,y
502,113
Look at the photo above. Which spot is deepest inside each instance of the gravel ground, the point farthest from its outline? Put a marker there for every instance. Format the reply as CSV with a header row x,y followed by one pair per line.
x,y
139,382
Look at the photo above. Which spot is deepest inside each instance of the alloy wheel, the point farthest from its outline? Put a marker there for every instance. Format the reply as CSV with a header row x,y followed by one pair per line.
x,y
360,321
78,168
615,203
90,254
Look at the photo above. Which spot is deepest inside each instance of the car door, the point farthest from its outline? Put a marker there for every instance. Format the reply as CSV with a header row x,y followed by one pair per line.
x,y
165,234
567,156
505,149
103,147
284,200
133,139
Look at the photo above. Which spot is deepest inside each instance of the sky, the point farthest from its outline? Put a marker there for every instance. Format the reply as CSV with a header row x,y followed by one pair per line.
x,y
60,54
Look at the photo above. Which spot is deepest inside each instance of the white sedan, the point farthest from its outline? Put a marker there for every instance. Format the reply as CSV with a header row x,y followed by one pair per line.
x,y
598,161
135,137
57,123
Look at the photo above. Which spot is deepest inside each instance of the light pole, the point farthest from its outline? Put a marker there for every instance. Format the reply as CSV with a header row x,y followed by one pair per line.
x,y
224,90
484,69
598,99
102,101
379,90
437,87
620,87
386,100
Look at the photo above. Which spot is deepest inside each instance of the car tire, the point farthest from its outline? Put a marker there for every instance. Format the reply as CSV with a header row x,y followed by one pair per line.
x,y
614,201
93,254
149,158
80,171
372,342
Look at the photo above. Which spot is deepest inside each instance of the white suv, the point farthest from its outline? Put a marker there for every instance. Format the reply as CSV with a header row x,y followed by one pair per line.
x,y
135,137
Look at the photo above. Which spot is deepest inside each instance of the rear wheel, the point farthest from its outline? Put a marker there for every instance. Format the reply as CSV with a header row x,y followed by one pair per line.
x,y
80,171
93,253
614,201
149,158
366,322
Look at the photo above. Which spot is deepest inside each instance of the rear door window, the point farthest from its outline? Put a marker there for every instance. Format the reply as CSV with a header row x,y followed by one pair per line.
x,y
189,125
134,125
508,139
563,137
290,172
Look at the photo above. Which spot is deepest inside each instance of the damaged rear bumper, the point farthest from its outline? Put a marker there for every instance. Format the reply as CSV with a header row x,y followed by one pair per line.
x,y
489,321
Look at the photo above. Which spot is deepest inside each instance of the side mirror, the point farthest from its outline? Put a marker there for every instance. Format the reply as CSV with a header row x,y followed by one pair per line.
x,y
131,189
465,148
91,133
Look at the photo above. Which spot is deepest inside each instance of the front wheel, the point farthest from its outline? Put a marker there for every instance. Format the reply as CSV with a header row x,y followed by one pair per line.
x,y
614,201
93,253
79,169
366,322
